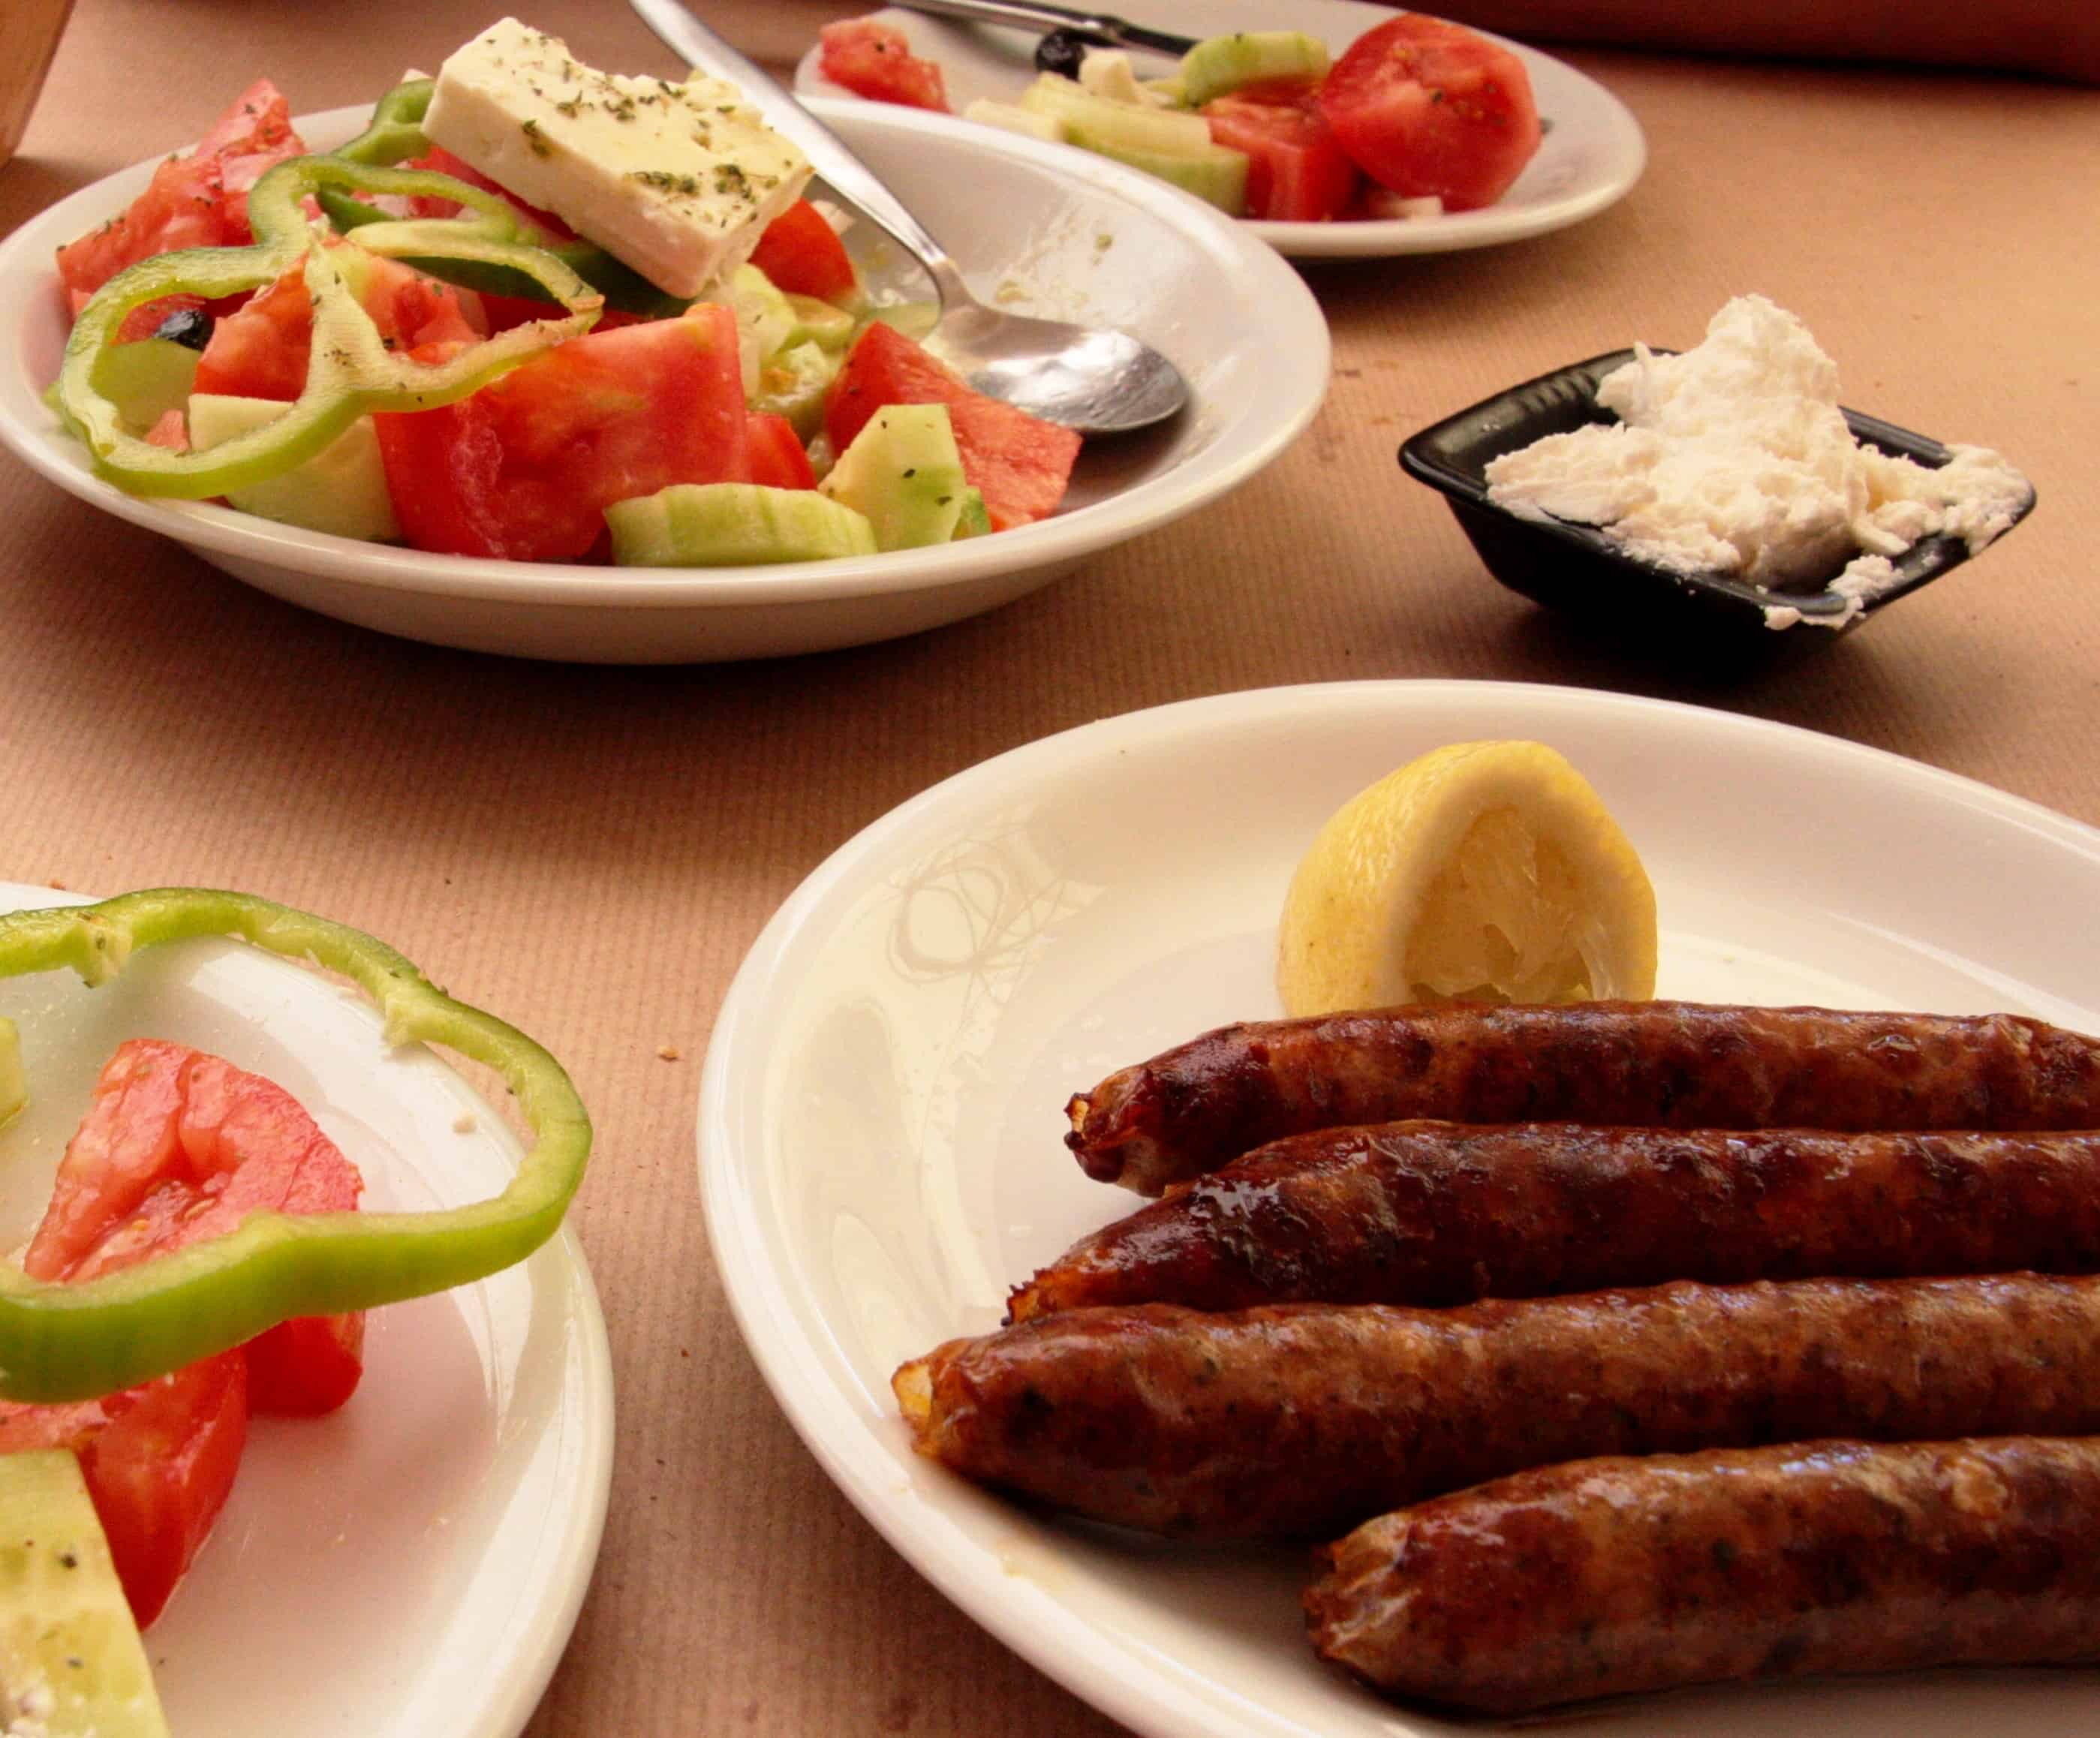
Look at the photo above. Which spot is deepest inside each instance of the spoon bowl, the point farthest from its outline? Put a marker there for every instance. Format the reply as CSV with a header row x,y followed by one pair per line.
x,y
1092,380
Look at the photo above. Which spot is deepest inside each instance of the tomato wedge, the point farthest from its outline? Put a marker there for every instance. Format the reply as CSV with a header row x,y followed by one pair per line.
x,y
524,469
1426,107
1020,464
1297,172
158,1459
777,457
875,60
802,253
177,1146
196,201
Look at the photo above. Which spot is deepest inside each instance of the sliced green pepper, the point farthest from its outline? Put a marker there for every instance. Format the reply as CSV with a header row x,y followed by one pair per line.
x,y
352,370
396,133
60,1342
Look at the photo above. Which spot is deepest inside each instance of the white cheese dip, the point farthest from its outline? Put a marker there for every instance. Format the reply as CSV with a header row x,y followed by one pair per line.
x,y
1734,458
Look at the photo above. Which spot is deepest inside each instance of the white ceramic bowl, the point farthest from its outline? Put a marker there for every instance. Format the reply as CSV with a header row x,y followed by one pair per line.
x,y
1593,153
1036,227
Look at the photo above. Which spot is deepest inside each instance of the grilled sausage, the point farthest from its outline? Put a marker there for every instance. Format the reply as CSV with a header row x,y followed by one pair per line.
x,y
1302,1420
1434,1213
1606,1576
1674,1065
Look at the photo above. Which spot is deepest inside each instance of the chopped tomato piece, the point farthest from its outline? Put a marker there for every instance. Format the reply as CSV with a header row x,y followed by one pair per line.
x,y
777,457
875,60
1296,171
459,170
524,469
1425,107
260,350
158,1460
802,253
196,201
1020,464
179,1146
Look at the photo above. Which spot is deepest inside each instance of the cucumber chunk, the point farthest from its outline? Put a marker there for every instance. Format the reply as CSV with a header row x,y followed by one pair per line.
x,y
341,488
1217,174
915,320
733,525
71,1662
818,323
974,521
146,380
1218,65
1098,124
903,470
1011,117
793,384
14,1082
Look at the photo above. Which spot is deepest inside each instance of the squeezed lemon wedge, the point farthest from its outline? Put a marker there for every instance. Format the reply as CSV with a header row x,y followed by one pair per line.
x,y
1482,871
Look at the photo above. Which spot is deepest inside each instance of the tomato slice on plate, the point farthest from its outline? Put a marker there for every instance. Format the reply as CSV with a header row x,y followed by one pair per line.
x,y
802,253
1425,107
875,60
524,469
1020,464
159,1460
177,1146
1297,172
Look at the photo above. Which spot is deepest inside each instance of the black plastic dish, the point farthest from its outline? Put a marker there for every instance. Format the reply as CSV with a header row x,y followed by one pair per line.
x,y
1576,568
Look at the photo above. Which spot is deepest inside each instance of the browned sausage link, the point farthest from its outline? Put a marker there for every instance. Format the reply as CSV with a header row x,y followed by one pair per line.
x,y
1302,1420
1608,1576
1675,1065
1436,1213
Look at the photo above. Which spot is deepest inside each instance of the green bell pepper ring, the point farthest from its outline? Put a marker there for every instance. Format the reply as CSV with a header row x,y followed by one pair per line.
x,y
351,370
60,1342
396,131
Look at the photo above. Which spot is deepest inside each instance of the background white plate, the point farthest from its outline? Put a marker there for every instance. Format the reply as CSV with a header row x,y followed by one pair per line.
x,y
1593,152
880,1116
1036,228
412,1564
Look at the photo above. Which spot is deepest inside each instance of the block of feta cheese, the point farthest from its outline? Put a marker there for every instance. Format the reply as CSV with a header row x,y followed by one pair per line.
x,y
676,180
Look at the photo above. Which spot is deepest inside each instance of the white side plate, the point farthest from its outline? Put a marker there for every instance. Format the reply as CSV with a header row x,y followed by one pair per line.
x,y
1593,153
411,1565
881,1117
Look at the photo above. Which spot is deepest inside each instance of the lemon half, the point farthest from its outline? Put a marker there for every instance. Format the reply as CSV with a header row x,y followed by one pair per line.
x,y
1482,871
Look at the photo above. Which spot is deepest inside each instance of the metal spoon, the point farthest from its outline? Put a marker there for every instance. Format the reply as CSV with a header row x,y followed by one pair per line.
x,y
1095,380
1069,29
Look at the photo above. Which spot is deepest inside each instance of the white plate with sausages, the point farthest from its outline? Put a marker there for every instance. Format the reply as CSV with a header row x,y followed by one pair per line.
x,y
881,1118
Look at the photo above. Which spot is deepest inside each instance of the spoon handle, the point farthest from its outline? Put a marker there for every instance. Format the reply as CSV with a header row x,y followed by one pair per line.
x,y
1040,15
828,154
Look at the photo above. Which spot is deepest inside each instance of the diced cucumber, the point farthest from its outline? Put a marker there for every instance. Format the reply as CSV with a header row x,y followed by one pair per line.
x,y
974,521
13,1081
1218,65
765,321
1011,117
915,320
733,525
792,384
1106,72
342,489
1170,91
904,472
1098,124
145,380
71,1662
1217,174
818,323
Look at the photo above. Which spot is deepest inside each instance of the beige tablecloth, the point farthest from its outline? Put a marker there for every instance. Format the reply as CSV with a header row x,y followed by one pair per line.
x,y
591,850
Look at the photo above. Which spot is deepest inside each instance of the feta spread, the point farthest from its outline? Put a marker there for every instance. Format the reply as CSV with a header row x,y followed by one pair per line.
x,y
676,180
1734,458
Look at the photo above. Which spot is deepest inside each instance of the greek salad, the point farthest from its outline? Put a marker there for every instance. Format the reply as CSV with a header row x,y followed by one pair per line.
x,y
1418,116
534,312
